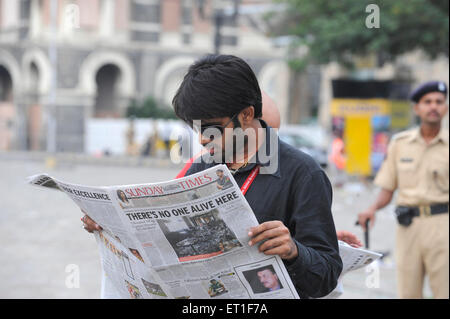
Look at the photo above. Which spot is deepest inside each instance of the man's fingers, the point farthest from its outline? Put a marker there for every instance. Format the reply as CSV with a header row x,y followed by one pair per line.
x,y
352,238
277,239
276,251
86,226
362,221
354,241
263,227
264,235
357,242
89,224
91,228
271,244
276,248
87,229
269,233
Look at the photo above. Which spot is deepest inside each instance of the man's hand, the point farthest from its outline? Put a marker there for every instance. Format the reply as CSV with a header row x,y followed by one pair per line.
x,y
89,224
349,238
383,199
367,215
278,240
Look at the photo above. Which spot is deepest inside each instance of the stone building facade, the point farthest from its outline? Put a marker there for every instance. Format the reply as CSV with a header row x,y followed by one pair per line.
x,y
65,61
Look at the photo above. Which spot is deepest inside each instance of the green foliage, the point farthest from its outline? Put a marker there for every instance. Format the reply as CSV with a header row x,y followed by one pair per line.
x,y
149,108
337,31
298,64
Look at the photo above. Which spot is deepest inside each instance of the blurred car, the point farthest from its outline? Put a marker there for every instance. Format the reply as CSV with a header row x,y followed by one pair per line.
x,y
304,144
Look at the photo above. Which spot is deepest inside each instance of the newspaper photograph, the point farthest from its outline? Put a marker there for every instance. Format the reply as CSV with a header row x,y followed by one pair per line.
x,y
186,238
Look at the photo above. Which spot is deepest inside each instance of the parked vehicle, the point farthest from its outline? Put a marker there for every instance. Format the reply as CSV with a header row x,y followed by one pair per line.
x,y
305,144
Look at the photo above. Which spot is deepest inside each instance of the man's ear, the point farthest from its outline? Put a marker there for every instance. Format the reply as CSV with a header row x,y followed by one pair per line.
x,y
247,115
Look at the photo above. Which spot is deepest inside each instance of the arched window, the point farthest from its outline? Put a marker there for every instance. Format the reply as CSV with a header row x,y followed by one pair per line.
x,y
5,85
7,110
107,78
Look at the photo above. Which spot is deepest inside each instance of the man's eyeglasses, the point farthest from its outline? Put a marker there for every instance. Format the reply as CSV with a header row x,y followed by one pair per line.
x,y
202,128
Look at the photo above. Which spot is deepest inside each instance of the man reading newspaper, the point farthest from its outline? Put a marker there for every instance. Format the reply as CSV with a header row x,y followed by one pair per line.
x,y
290,195
288,192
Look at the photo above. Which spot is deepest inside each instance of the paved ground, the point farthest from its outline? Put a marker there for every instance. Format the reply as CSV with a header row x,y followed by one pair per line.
x,y
41,235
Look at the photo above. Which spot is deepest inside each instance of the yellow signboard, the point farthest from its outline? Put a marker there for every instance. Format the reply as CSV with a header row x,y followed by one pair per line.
x,y
357,137
401,112
360,107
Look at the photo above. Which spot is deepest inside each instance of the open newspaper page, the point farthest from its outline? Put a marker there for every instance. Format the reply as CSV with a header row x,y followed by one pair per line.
x,y
130,277
355,258
191,233
352,259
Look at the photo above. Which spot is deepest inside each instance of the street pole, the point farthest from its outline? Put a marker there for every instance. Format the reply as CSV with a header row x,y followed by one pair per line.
x,y
53,57
218,18
218,22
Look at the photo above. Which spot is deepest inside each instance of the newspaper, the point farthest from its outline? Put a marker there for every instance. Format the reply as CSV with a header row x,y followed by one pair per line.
x,y
184,238
355,258
352,259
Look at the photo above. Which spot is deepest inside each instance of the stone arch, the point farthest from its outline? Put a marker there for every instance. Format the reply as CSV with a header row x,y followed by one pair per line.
x,y
6,85
11,88
37,73
169,76
106,99
8,61
92,64
44,68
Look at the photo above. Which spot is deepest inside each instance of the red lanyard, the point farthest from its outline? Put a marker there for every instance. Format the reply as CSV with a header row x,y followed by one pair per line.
x,y
248,182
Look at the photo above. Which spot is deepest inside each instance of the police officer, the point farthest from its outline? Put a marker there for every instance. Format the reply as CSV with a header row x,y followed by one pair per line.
x,y
417,165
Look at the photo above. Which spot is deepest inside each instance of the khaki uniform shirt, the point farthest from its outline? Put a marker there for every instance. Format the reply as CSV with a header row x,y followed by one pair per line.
x,y
419,171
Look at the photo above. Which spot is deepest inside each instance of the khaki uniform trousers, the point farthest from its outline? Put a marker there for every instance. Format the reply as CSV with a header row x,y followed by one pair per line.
x,y
422,249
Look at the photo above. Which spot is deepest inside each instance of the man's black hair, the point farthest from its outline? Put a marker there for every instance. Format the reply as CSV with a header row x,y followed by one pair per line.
x,y
217,86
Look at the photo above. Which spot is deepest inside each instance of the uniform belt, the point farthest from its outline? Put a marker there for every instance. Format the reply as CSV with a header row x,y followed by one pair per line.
x,y
428,210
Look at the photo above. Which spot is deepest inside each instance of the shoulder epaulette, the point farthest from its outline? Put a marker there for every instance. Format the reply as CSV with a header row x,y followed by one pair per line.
x,y
403,134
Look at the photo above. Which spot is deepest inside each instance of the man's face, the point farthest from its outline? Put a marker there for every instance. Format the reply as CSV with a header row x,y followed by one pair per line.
x,y
219,174
220,145
431,108
268,279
